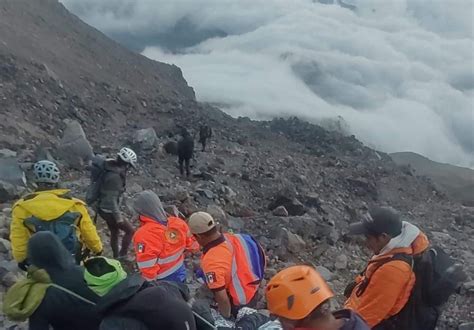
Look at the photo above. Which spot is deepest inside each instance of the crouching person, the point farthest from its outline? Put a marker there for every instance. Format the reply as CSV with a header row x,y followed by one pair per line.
x,y
132,303
54,294
299,297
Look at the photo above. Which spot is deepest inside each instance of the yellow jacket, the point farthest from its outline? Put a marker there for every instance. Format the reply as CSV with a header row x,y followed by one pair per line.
x,y
49,205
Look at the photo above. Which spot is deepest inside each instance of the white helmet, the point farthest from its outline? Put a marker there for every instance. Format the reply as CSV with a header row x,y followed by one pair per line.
x,y
128,156
46,172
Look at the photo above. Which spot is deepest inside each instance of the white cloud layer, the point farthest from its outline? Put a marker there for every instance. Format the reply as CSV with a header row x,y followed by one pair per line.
x,y
400,72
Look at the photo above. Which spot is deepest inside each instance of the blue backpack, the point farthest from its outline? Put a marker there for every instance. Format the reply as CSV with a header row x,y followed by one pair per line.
x,y
255,254
63,227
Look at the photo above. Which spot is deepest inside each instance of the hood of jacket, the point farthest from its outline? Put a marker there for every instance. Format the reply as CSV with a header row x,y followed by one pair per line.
x,y
148,204
47,205
411,241
47,252
122,292
103,274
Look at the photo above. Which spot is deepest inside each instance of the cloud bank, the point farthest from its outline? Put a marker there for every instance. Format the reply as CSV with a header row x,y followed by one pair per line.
x,y
400,72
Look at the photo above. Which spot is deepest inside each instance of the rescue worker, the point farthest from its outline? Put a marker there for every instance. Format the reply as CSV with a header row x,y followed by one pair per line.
x,y
299,297
50,208
233,265
205,133
111,190
54,295
161,241
132,303
185,151
384,287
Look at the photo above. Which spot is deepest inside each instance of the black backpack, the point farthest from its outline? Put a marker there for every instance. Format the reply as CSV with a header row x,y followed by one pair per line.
x,y
437,278
97,169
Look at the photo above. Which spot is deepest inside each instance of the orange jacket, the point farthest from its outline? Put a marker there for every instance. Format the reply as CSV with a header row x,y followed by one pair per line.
x,y
226,265
160,248
390,285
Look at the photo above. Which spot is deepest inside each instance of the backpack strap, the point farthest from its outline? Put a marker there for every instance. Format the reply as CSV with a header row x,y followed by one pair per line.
x,y
72,294
379,263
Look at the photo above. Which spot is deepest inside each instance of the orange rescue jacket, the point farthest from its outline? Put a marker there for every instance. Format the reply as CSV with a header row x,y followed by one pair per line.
x,y
389,287
160,248
226,265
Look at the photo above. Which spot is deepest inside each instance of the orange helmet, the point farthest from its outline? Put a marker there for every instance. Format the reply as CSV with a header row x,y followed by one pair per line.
x,y
296,291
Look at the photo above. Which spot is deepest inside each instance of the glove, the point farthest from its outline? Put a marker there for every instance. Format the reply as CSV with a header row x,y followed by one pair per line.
x,y
23,265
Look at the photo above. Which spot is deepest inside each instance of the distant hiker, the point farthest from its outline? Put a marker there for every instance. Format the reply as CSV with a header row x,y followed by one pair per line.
x,y
51,209
233,265
111,186
132,303
205,133
299,297
161,240
54,295
185,151
405,283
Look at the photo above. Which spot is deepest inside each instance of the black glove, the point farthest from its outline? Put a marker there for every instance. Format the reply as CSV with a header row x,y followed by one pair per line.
x,y
23,265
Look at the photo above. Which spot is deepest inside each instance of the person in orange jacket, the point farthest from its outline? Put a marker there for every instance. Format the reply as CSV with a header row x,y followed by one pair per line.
x,y
233,265
161,241
384,287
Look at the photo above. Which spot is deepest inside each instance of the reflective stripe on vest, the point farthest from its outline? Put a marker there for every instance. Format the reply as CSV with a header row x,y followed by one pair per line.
x,y
171,258
239,290
170,271
147,263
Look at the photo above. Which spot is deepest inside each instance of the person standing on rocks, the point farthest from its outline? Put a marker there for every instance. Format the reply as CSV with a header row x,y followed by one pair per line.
x,y
384,287
205,133
51,209
54,295
161,241
233,265
185,151
112,187
299,297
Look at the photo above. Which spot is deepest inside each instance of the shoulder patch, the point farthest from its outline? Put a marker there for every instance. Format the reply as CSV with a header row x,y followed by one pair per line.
x,y
211,277
141,247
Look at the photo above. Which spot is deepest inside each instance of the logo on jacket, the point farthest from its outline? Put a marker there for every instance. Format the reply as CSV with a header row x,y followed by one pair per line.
x,y
172,236
140,247
210,277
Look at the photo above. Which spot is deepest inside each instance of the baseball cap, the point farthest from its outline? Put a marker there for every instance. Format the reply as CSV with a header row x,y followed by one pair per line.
x,y
201,222
377,221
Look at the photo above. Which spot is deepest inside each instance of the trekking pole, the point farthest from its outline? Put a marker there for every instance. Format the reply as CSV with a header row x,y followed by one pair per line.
x,y
204,320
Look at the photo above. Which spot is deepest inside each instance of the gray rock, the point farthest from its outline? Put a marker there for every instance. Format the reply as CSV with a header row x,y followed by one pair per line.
x,y
280,211
294,242
228,193
9,279
11,172
341,262
5,245
44,153
325,273
7,153
74,148
144,139
469,286
217,213
466,326
8,192
205,193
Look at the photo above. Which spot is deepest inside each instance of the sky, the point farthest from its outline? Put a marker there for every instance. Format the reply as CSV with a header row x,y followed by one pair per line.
x,y
399,72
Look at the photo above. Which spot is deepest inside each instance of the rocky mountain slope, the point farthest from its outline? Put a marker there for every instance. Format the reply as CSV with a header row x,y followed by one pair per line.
x,y
295,186
457,182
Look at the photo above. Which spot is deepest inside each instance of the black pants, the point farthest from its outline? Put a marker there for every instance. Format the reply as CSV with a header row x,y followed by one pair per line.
x,y
251,304
184,162
203,142
116,224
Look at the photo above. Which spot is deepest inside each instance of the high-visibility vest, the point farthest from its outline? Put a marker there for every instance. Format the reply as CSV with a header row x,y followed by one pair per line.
x,y
246,268
160,248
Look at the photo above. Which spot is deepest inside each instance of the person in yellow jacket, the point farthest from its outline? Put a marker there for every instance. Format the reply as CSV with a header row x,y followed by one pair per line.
x,y
51,209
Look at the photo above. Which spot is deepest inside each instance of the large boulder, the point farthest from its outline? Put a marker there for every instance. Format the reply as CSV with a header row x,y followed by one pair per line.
x,y
12,179
144,140
74,148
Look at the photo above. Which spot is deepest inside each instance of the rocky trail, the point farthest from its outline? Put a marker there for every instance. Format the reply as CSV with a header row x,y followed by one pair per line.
x,y
67,91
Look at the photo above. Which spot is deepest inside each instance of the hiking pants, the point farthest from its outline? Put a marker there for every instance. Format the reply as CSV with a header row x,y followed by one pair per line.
x,y
184,162
116,224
